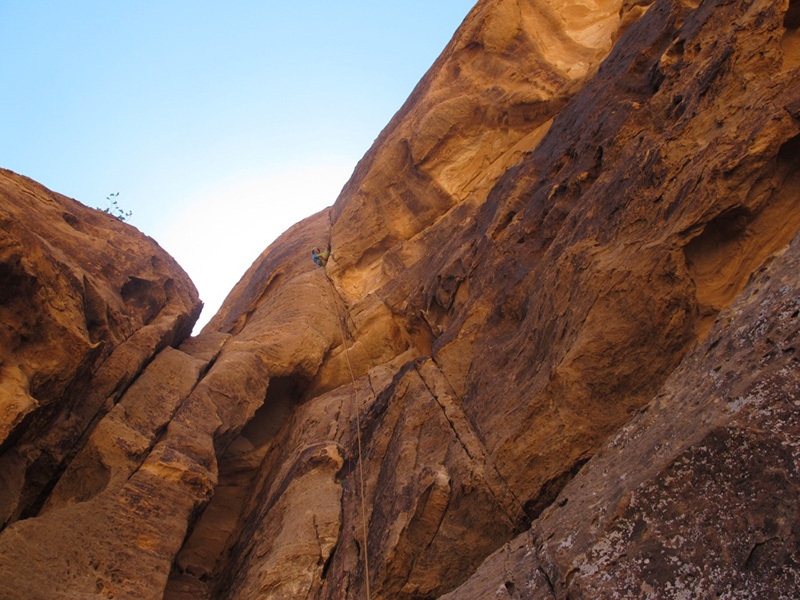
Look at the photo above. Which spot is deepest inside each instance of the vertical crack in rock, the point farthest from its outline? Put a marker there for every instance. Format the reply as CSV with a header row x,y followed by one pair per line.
x,y
471,442
120,442
242,468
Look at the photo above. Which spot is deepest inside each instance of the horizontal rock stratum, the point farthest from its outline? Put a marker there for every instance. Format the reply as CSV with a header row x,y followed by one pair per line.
x,y
554,353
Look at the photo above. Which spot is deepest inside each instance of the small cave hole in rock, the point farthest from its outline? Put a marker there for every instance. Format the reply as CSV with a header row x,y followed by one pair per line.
x,y
550,491
72,220
145,295
15,283
791,20
283,394
714,257
790,45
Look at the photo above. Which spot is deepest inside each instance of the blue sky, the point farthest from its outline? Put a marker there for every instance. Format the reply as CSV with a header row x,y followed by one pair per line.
x,y
219,124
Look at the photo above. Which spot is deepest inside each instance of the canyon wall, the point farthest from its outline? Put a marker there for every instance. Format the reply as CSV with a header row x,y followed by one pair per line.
x,y
553,354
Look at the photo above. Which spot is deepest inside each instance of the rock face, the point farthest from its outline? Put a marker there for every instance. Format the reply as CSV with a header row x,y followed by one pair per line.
x,y
553,355
85,304
696,496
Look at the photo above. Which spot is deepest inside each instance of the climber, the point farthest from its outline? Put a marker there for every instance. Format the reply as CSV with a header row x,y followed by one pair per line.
x,y
321,258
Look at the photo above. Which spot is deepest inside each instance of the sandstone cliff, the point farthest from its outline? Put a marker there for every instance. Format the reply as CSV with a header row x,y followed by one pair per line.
x,y
557,336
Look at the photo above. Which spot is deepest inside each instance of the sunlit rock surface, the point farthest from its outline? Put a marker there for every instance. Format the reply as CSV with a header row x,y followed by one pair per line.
x,y
560,322
86,302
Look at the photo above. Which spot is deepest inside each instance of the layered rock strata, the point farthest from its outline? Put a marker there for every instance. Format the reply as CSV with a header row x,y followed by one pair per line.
x,y
85,303
561,304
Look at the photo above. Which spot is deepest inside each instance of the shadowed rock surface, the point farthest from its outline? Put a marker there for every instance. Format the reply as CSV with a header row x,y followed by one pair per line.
x,y
560,319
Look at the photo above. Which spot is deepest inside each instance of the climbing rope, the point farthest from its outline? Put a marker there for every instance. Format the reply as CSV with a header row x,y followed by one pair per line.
x,y
358,433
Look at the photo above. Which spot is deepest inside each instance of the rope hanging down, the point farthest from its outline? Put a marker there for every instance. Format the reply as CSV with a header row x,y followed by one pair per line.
x,y
321,259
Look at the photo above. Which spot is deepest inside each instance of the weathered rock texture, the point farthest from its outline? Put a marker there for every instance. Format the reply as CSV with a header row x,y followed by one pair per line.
x,y
85,303
560,322
696,496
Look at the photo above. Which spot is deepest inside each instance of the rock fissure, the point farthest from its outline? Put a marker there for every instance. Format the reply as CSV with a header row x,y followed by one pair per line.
x,y
471,443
